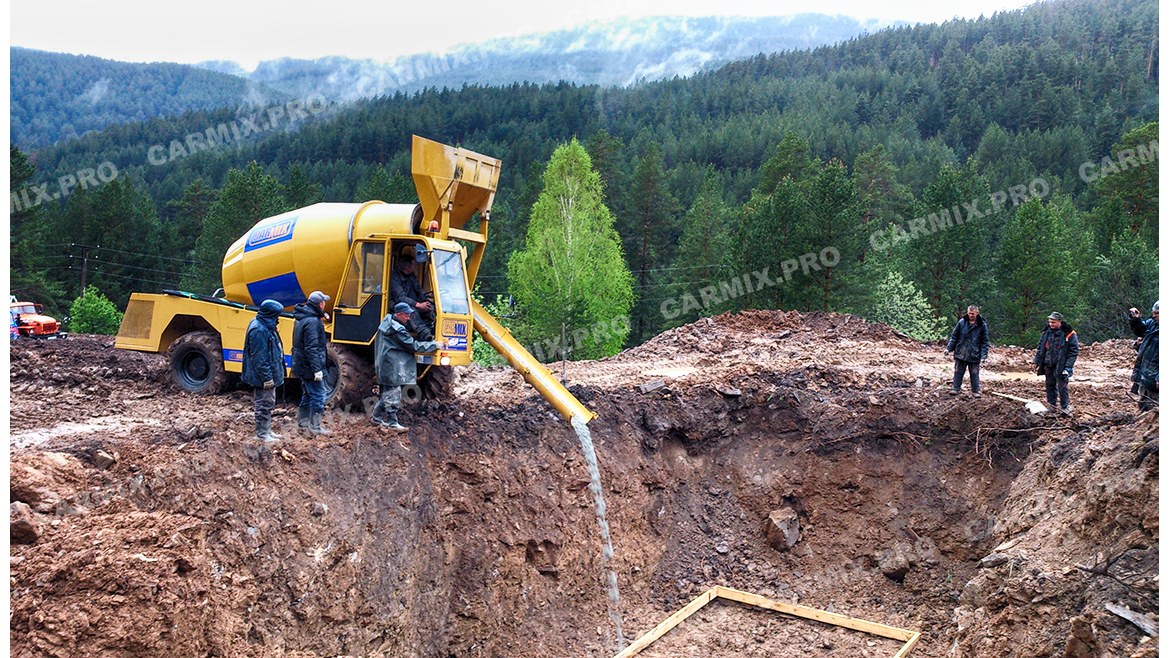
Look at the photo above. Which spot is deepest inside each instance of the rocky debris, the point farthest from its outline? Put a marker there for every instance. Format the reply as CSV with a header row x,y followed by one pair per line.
x,y
652,386
782,529
994,560
24,528
1082,639
895,562
319,509
104,460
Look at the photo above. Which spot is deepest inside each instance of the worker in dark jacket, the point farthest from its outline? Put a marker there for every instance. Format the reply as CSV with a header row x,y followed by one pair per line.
x,y
264,365
405,289
308,360
1145,370
394,364
969,343
1055,355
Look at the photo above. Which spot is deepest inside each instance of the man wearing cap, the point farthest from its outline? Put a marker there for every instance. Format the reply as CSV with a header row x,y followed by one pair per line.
x,y
1055,355
394,364
405,289
264,365
1145,370
308,360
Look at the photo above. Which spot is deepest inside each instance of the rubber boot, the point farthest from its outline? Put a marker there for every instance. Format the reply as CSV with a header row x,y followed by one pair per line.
x,y
315,424
303,418
392,422
264,431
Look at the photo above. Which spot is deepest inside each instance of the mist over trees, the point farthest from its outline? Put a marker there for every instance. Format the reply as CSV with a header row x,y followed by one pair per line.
x,y
1008,161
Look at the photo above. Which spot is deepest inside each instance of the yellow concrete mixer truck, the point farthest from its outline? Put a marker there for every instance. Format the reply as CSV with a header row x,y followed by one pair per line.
x,y
348,250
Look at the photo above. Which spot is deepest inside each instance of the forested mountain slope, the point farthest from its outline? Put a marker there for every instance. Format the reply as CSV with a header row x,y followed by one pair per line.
x,y
57,96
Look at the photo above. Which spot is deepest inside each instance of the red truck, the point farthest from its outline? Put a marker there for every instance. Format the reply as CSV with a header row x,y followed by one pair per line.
x,y
31,321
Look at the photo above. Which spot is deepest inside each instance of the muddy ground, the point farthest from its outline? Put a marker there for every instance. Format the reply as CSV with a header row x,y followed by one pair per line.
x,y
147,522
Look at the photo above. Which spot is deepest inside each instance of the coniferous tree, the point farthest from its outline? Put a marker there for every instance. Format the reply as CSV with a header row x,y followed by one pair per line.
x,y
947,250
385,186
1034,269
300,192
701,258
827,243
649,234
247,197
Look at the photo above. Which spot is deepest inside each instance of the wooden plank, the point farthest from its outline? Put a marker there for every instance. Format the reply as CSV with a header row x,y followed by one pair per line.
x,y
670,622
905,651
816,615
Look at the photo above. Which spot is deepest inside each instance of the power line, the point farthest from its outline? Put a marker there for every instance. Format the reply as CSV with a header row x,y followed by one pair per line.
x,y
119,276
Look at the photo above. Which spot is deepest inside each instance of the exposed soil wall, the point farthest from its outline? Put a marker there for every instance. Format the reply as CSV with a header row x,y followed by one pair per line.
x,y
474,533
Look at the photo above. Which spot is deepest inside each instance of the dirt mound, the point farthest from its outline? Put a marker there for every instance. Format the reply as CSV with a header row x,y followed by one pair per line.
x,y
159,527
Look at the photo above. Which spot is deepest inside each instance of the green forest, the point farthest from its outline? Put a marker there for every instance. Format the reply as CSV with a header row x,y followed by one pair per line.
x,y
1009,161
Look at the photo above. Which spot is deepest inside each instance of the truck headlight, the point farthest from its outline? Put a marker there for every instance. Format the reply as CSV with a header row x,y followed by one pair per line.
x,y
445,361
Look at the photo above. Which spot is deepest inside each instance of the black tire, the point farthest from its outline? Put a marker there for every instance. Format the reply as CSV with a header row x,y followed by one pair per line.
x,y
349,378
436,382
197,363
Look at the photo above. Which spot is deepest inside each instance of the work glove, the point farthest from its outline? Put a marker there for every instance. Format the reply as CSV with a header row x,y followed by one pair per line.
x,y
269,384
1068,373
318,376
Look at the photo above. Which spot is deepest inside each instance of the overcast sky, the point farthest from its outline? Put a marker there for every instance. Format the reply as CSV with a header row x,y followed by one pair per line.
x,y
246,32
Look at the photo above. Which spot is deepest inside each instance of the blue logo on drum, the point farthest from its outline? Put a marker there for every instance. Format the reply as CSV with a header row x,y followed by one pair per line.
x,y
270,233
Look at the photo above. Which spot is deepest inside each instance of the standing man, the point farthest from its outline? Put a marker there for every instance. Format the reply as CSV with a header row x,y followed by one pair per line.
x,y
1055,355
264,365
969,343
405,289
1145,371
394,350
308,360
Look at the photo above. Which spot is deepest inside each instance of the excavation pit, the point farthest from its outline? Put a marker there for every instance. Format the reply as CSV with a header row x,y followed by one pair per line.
x,y
475,533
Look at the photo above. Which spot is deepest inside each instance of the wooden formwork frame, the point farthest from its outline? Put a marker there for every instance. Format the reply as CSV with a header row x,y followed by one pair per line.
x,y
910,638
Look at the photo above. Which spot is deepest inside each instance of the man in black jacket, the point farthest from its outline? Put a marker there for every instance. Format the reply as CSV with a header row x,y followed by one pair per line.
x,y
1055,355
264,365
969,343
405,289
1145,371
308,360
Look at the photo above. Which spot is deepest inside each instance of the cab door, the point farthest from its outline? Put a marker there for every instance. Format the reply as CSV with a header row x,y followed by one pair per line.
x,y
360,306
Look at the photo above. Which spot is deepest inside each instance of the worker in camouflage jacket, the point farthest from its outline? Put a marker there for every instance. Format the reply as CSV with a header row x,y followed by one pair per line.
x,y
264,365
1145,370
969,343
394,364
1055,355
308,361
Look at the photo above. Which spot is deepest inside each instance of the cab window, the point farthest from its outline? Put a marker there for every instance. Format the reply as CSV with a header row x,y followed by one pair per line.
x,y
364,277
451,283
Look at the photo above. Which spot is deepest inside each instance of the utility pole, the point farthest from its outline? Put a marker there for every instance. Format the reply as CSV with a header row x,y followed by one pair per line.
x,y
84,263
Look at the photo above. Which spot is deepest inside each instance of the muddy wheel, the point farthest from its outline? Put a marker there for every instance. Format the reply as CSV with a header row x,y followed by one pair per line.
x,y
197,363
436,383
349,378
